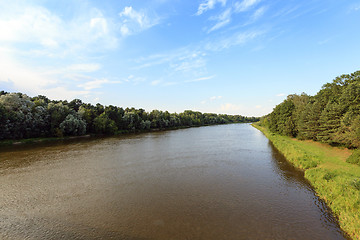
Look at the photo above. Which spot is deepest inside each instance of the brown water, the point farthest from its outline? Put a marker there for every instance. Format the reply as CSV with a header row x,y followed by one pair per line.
x,y
219,182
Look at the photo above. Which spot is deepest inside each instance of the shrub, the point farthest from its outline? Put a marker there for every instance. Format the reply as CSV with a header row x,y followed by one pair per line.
x,y
354,158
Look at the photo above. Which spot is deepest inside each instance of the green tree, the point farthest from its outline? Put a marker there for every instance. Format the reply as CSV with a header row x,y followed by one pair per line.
x,y
309,125
104,125
57,112
281,120
73,125
329,123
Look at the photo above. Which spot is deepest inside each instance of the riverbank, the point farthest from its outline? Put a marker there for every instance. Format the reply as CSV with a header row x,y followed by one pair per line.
x,y
39,140
13,142
335,181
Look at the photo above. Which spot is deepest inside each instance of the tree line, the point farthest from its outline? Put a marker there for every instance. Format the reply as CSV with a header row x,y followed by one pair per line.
x,y
331,116
25,117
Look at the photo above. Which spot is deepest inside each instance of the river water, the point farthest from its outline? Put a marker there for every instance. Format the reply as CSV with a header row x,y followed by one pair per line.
x,y
217,182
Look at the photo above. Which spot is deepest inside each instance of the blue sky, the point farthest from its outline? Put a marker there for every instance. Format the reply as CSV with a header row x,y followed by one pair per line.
x,y
223,56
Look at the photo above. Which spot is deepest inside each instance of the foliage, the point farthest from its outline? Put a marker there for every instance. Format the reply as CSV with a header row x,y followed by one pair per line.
x,y
23,117
73,125
354,158
331,116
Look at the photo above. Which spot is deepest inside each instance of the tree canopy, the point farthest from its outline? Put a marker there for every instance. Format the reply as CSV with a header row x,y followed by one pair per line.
x,y
24,117
331,116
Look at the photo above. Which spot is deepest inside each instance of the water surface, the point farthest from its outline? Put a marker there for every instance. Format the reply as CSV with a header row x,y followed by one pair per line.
x,y
218,182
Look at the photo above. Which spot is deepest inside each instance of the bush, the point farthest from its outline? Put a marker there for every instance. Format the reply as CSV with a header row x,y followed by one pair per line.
x,y
354,158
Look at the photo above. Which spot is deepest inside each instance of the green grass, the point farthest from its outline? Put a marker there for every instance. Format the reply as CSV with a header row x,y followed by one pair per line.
x,y
334,178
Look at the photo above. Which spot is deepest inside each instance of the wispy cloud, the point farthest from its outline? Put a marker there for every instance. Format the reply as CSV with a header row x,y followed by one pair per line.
x,y
258,13
281,95
156,82
245,5
222,20
325,41
238,38
355,7
211,99
209,4
225,17
215,98
200,79
287,10
188,65
185,62
134,79
135,21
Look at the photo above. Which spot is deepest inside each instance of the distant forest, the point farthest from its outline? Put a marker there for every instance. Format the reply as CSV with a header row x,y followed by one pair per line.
x,y
331,116
24,117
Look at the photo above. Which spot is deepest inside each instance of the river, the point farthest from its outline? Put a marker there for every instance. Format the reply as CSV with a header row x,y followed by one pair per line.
x,y
216,182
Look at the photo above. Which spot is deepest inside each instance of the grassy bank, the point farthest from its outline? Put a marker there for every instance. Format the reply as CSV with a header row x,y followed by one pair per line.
x,y
335,181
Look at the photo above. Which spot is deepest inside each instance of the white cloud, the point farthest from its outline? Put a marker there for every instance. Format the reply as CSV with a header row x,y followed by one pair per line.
x,y
215,98
135,21
245,5
32,25
156,82
200,79
96,83
135,80
280,94
186,66
355,7
61,93
230,108
211,99
33,81
33,38
42,28
223,19
124,30
129,78
49,43
100,26
258,13
209,4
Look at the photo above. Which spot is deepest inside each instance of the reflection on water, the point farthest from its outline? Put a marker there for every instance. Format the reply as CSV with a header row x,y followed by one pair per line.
x,y
218,182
